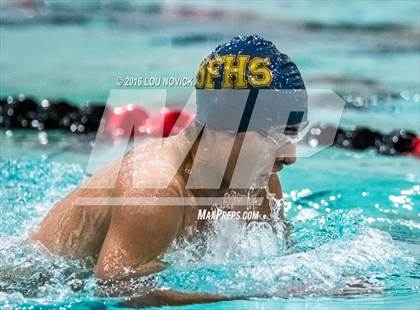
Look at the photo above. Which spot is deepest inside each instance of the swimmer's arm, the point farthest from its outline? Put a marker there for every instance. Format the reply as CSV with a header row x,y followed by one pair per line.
x,y
136,236
78,230
161,298
158,298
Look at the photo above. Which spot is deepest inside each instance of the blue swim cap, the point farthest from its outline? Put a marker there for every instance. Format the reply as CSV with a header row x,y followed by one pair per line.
x,y
247,63
285,74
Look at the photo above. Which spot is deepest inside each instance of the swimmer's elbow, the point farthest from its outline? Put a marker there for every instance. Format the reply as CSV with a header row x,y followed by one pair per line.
x,y
103,273
114,272
38,235
108,271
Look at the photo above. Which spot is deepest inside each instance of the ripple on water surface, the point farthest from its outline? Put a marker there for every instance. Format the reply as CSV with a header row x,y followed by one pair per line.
x,y
334,249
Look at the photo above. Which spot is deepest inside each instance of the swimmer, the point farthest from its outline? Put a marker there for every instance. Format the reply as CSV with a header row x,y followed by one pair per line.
x,y
128,241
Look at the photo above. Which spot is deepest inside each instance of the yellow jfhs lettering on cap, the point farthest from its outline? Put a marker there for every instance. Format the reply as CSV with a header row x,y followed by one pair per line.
x,y
234,73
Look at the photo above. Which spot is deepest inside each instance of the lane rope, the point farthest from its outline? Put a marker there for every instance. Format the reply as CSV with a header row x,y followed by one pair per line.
x,y
24,112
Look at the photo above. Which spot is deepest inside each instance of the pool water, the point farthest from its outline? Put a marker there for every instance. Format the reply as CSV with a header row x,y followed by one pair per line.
x,y
355,215
355,225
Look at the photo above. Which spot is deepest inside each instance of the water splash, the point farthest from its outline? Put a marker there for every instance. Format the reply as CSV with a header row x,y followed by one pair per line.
x,y
327,254
327,250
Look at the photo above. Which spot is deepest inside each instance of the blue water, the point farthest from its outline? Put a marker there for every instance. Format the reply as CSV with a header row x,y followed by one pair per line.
x,y
355,215
354,226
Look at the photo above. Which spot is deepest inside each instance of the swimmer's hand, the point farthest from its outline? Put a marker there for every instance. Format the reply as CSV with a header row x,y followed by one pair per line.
x,y
357,286
159,298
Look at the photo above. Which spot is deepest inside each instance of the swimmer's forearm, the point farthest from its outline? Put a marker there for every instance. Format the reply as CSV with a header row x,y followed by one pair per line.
x,y
151,267
159,298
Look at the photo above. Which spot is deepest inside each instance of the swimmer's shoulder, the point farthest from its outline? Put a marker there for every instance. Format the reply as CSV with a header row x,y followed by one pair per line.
x,y
149,171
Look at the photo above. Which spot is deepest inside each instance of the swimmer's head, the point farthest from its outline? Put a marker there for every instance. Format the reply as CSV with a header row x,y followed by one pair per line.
x,y
248,62
247,85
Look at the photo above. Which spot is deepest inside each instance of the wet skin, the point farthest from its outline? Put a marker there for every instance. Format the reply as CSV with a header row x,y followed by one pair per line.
x,y
128,240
